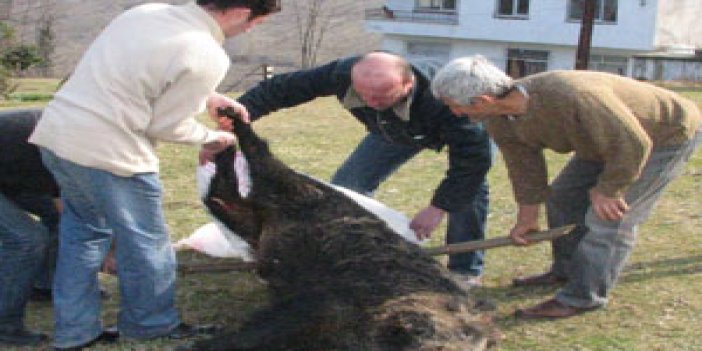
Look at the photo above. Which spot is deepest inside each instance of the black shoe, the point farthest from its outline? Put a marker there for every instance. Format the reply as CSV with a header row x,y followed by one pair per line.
x,y
22,337
44,295
104,294
543,279
40,295
184,330
108,336
185,347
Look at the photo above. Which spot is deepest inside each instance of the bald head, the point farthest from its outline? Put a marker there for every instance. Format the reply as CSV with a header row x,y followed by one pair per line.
x,y
382,79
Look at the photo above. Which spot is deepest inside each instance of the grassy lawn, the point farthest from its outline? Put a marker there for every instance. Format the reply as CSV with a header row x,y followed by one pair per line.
x,y
30,92
656,305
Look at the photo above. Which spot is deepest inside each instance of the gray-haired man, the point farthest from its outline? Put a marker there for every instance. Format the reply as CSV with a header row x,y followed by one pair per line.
x,y
629,138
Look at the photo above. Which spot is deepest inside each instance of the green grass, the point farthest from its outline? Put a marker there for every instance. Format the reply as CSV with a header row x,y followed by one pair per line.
x,y
30,92
655,307
37,85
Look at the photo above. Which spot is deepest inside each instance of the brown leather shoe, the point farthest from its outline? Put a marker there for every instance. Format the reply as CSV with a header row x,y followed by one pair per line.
x,y
550,309
543,279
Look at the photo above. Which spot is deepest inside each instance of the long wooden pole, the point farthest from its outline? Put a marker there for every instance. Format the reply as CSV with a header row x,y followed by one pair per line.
x,y
433,251
187,268
497,242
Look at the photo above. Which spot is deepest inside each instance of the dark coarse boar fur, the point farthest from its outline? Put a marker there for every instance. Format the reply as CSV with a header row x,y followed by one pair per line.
x,y
340,278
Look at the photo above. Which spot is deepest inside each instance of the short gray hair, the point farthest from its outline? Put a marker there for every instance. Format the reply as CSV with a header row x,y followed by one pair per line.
x,y
467,77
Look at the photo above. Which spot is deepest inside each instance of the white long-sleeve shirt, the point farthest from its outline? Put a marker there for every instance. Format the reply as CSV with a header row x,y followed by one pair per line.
x,y
143,79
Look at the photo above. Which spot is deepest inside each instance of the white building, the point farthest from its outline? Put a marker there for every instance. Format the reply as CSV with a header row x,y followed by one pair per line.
x,y
528,36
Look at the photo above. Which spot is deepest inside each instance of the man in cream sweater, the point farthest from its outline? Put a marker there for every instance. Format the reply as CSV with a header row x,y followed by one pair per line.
x,y
629,141
142,80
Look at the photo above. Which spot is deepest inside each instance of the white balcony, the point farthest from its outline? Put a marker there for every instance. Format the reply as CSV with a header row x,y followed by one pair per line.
x,y
415,16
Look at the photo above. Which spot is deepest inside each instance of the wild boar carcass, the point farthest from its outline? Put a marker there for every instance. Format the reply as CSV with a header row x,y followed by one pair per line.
x,y
340,278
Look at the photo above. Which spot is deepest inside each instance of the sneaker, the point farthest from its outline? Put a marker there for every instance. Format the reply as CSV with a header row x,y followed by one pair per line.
x,y
467,281
21,337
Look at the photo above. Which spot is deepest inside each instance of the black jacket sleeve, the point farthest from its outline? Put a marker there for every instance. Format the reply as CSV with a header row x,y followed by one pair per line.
x,y
469,159
294,88
21,168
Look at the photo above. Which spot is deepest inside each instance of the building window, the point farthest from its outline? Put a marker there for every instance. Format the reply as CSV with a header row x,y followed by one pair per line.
x,y
512,8
436,5
605,10
521,62
438,51
608,63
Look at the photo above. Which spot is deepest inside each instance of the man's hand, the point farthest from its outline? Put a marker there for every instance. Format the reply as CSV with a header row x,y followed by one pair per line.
x,y
216,101
527,221
109,265
58,204
426,221
221,142
608,208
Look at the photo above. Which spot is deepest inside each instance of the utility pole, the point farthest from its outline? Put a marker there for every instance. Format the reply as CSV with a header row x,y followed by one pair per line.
x,y
582,56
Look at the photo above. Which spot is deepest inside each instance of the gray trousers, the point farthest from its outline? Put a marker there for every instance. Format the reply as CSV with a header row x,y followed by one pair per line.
x,y
593,256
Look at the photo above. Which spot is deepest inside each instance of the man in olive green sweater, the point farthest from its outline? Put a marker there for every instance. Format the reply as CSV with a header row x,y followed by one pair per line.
x,y
629,140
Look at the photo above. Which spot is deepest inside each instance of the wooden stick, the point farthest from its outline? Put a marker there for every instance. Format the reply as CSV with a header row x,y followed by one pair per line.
x,y
497,242
433,251
187,268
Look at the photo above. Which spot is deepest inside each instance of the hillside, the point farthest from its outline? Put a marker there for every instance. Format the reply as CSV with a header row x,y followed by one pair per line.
x,y
75,23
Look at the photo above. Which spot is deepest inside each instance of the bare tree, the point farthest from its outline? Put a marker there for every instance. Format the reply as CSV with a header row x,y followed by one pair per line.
x,y
7,34
313,18
6,37
46,42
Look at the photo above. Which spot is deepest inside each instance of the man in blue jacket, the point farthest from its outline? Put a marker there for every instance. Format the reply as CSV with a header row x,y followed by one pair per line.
x,y
392,98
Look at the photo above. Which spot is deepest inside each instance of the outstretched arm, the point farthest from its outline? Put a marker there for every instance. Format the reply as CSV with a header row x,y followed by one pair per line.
x,y
469,159
294,88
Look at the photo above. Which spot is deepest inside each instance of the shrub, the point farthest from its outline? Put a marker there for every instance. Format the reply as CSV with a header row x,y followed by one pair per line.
x,y
20,57
6,84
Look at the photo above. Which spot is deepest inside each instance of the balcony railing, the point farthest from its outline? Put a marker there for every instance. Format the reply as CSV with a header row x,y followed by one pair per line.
x,y
423,16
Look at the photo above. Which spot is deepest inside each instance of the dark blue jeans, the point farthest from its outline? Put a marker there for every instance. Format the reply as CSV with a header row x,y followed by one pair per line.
x,y
23,243
44,207
375,159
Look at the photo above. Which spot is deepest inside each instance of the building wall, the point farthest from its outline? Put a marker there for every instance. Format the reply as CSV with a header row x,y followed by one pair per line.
x,y
679,24
666,69
547,24
643,26
559,57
